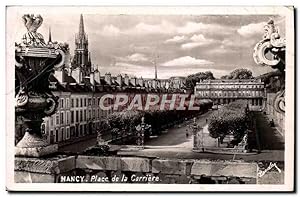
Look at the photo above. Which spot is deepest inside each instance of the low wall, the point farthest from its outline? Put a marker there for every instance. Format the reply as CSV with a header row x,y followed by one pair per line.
x,y
96,169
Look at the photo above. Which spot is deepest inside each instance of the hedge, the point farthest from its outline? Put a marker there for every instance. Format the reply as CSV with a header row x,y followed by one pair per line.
x,y
231,119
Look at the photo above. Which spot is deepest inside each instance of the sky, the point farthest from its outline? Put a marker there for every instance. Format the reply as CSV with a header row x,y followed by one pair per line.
x,y
179,44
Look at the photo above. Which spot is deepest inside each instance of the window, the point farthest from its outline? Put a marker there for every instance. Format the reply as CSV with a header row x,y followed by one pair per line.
x,y
81,102
81,116
61,117
68,133
51,121
67,117
56,135
72,103
67,103
63,134
84,115
85,102
43,129
72,117
77,102
77,116
62,103
57,119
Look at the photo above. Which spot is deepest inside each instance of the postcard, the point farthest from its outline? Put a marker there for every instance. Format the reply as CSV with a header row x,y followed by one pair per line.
x,y
150,98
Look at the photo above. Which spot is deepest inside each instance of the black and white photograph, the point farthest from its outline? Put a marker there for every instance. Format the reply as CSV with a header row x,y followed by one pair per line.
x,y
150,98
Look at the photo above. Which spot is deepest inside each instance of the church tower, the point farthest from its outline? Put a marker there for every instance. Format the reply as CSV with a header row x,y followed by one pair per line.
x,y
81,54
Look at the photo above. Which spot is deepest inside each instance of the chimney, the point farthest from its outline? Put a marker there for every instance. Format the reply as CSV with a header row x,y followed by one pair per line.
x,y
167,85
107,78
126,80
119,80
97,76
141,82
150,84
133,81
154,85
158,84
77,75
92,78
59,75
163,84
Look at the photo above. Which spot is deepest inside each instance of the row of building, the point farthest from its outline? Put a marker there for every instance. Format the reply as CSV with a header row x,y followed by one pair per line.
x,y
225,91
79,87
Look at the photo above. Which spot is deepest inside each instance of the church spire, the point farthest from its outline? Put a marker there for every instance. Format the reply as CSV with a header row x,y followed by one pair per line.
x,y
50,38
155,71
81,27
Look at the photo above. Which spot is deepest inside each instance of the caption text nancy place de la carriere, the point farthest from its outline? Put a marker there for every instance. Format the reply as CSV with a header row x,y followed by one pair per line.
x,y
105,179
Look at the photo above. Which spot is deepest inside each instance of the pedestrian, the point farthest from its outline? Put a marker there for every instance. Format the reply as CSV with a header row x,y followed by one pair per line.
x,y
187,133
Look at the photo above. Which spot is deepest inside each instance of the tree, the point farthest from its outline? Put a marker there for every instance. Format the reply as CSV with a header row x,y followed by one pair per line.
x,y
240,73
232,119
191,80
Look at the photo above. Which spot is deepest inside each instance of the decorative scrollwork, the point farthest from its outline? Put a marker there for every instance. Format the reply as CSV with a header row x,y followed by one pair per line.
x,y
260,51
272,43
21,98
63,59
51,106
279,102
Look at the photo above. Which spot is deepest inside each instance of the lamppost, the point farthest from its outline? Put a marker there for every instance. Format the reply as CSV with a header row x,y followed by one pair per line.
x,y
141,128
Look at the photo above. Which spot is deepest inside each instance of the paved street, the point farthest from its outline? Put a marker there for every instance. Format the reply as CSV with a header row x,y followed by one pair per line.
x,y
177,136
172,137
270,142
80,145
173,143
269,138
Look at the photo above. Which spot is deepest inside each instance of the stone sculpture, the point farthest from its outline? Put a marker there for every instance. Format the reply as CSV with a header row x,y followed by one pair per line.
x,y
35,61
